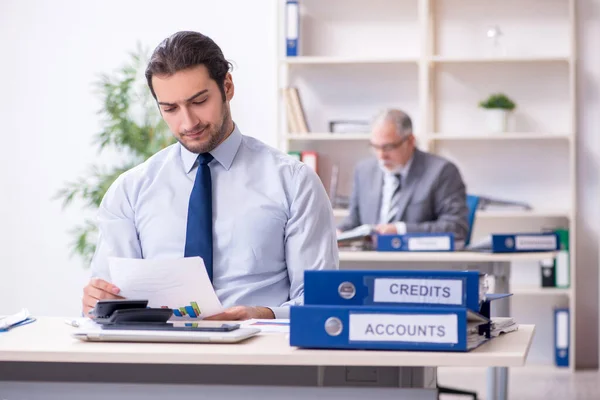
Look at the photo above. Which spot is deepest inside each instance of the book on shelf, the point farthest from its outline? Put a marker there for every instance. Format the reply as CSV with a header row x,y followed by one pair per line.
x,y
349,127
337,201
296,118
494,204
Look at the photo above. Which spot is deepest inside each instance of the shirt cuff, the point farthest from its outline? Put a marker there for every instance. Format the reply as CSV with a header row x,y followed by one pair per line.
x,y
281,312
400,228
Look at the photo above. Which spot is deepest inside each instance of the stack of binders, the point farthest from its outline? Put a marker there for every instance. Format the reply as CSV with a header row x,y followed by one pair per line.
x,y
395,310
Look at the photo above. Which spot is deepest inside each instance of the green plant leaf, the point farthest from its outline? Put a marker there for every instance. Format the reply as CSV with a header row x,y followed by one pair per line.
x,y
498,100
130,124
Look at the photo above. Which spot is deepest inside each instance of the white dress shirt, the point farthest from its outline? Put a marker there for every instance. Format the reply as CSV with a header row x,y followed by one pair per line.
x,y
390,183
272,220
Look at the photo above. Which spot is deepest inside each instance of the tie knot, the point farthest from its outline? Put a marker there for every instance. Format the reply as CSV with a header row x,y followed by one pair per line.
x,y
204,158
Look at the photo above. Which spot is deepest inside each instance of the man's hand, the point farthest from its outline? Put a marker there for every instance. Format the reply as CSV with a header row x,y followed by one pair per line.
x,y
386,229
239,313
98,289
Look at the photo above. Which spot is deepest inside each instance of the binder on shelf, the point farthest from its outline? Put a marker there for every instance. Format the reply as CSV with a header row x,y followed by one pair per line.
x,y
417,241
295,154
548,272
386,328
310,159
561,337
396,288
518,243
562,261
563,271
292,33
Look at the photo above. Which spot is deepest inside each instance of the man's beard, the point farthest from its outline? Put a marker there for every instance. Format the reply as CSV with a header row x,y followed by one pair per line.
x,y
215,134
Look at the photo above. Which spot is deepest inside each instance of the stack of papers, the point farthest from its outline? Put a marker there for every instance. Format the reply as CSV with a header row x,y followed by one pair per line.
x,y
181,284
18,319
503,325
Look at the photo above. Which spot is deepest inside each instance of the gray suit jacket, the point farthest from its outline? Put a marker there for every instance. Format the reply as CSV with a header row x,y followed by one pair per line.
x,y
432,197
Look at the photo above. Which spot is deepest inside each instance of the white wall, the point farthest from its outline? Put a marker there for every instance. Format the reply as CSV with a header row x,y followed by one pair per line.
x,y
52,51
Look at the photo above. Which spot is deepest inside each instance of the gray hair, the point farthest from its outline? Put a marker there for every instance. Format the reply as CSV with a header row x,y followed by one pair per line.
x,y
399,118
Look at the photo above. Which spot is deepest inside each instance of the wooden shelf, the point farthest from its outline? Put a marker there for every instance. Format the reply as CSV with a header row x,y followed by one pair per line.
x,y
473,60
496,214
328,136
499,136
312,60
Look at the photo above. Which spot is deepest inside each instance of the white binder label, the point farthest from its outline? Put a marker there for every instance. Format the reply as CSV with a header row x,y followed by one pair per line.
x,y
424,291
562,269
562,330
532,242
442,328
292,21
430,243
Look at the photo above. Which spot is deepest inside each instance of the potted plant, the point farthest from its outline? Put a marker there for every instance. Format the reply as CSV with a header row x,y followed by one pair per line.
x,y
497,108
132,128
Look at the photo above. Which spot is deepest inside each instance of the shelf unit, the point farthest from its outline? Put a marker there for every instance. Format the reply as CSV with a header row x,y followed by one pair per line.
x,y
432,59
495,214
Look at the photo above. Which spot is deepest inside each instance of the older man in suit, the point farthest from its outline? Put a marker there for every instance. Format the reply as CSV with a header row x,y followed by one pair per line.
x,y
404,189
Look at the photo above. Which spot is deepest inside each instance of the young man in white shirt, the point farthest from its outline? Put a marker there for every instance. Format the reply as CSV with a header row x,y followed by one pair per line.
x,y
256,216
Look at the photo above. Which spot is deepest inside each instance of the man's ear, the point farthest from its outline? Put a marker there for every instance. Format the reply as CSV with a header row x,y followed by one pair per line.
x,y
228,87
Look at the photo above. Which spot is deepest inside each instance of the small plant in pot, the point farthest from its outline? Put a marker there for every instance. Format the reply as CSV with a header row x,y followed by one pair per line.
x,y
497,107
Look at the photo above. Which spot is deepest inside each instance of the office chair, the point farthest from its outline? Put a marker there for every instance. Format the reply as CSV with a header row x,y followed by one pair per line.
x,y
472,204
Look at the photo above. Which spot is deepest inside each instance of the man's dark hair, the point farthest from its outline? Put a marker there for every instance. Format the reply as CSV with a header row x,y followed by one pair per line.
x,y
184,50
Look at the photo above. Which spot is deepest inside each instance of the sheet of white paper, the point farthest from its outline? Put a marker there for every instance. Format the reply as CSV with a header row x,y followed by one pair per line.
x,y
181,284
269,325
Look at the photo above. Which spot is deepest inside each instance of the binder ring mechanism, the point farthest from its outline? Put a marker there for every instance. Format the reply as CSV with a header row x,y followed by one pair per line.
x,y
333,326
346,290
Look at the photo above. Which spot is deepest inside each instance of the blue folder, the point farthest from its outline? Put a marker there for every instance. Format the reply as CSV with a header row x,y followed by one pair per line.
x,y
386,328
561,337
392,288
415,242
292,27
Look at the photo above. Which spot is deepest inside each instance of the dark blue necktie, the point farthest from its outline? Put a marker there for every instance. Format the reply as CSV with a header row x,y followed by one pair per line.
x,y
199,236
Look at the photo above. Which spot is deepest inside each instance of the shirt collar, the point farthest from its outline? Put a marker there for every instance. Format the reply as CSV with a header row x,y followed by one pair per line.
x,y
223,153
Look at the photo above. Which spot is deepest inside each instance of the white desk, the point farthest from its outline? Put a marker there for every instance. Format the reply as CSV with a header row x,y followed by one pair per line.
x,y
265,366
496,264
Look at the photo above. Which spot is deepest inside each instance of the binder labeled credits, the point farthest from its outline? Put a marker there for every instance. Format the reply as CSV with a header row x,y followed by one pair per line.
x,y
386,328
392,288
418,241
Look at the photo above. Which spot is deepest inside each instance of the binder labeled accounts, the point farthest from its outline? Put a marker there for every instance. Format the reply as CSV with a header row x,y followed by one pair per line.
x,y
386,328
390,288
